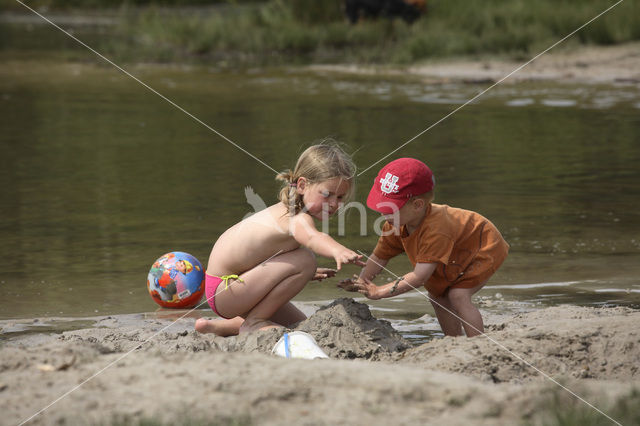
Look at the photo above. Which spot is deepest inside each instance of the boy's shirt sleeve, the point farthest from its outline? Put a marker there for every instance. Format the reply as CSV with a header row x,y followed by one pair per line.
x,y
389,244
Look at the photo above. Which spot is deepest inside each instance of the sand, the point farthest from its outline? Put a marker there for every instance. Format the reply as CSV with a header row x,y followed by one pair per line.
x,y
618,64
134,367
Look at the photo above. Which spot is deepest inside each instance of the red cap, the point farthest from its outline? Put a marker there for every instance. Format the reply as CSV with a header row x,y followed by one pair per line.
x,y
398,181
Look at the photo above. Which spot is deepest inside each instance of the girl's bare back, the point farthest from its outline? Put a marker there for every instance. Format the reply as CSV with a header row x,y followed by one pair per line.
x,y
252,241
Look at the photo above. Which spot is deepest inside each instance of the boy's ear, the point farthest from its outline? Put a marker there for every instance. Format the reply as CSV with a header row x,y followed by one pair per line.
x,y
418,203
301,185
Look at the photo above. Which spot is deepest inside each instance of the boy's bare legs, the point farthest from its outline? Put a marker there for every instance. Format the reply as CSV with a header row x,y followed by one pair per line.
x,y
266,290
446,315
460,299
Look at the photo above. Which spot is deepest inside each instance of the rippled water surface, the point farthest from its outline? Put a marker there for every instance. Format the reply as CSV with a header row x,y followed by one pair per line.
x,y
99,177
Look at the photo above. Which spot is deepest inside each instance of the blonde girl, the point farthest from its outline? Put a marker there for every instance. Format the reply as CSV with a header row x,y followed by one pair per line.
x,y
259,264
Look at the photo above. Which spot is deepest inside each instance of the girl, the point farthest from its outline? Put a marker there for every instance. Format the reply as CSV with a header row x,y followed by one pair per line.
x,y
258,265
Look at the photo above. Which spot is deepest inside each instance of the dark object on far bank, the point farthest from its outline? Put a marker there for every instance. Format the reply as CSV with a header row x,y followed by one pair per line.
x,y
409,10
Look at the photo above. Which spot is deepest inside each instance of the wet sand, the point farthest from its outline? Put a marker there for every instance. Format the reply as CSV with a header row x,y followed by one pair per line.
x,y
584,64
373,375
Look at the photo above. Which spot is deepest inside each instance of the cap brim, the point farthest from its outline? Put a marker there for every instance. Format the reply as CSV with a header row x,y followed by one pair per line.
x,y
385,205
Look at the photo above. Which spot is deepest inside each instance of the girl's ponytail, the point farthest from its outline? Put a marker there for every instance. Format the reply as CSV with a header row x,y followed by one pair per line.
x,y
288,193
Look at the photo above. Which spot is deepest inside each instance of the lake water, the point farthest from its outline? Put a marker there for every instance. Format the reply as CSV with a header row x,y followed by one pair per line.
x,y
99,177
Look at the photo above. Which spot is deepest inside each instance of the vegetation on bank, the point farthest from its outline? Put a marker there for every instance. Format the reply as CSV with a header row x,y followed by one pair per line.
x,y
101,4
560,408
557,408
314,31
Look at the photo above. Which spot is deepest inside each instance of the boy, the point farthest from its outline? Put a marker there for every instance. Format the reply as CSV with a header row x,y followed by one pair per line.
x,y
454,252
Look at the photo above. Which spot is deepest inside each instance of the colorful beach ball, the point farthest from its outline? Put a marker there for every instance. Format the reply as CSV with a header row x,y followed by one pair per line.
x,y
176,280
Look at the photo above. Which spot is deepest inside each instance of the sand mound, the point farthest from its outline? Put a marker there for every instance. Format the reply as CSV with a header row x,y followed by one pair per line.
x,y
346,329
604,345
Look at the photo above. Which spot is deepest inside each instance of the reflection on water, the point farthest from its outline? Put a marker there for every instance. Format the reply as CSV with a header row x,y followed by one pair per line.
x,y
9,330
99,176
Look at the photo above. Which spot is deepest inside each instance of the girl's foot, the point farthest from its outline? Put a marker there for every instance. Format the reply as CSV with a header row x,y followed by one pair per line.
x,y
221,327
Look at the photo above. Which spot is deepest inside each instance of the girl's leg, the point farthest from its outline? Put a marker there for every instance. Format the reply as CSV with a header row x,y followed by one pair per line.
x,y
266,289
460,299
286,316
446,315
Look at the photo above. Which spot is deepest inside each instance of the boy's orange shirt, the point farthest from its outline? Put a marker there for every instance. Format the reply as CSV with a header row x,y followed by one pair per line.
x,y
467,247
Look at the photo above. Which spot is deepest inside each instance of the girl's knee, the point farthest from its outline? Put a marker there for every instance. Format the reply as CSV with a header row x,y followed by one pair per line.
x,y
305,261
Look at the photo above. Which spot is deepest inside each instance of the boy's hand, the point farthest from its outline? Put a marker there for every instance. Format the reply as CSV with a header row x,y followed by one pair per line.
x,y
322,273
348,284
348,256
368,288
361,285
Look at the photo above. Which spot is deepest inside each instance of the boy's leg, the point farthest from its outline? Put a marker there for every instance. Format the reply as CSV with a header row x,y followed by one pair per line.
x,y
265,289
449,322
460,299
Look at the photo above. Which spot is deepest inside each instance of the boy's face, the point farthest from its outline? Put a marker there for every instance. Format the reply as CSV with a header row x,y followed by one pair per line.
x,y
410,214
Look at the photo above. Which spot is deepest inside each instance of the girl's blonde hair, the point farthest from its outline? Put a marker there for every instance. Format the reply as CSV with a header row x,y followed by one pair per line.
x,y
318,163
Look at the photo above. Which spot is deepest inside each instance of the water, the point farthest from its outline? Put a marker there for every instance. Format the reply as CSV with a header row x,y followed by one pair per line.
x,y
100,177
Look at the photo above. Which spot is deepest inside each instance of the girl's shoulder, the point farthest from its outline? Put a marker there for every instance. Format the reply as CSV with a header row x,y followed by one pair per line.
x,y
279,214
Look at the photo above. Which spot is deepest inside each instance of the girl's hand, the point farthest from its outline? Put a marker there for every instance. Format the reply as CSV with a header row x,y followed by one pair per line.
x,y
348,256
368,288
322,273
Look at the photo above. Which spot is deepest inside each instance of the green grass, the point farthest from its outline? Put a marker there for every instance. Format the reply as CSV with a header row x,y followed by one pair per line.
x,y
101,4
562,409
243,420
313,31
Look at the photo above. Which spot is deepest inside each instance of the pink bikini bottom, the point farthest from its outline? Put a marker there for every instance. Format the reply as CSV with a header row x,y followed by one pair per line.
x,y
211,284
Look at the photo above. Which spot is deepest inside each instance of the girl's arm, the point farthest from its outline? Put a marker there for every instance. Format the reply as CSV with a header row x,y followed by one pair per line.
x,y
304,232
421,273
372,268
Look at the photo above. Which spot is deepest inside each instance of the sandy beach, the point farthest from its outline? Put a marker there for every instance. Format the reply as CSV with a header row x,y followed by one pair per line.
x,y
125,369
584,64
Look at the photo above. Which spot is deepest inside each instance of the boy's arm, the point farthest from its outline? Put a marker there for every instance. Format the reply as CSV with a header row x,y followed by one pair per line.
x,y
305,233
414,279
373,267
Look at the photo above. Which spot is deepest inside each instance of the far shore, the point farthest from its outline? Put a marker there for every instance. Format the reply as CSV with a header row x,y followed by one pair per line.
x,y
587,64
615,65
